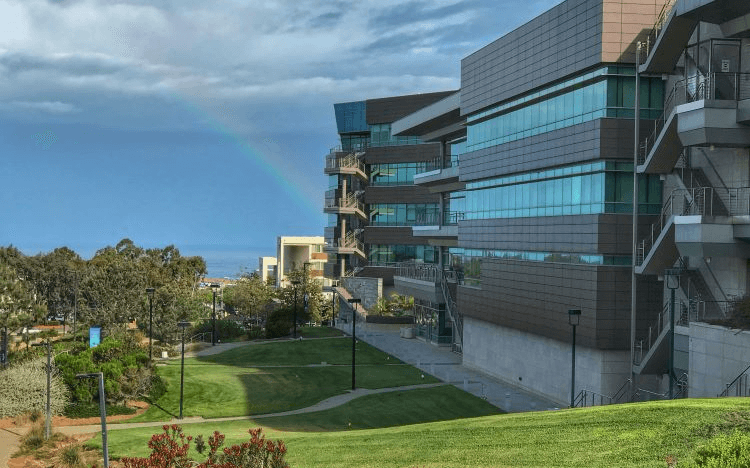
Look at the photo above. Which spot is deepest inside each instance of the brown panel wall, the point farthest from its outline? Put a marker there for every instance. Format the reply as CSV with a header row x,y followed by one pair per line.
x,y
597,139
391,235
535,296
405,153
608,234
400,194
390,109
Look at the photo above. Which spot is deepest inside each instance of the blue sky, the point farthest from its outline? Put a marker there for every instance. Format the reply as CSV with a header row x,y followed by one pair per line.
x,y
203,123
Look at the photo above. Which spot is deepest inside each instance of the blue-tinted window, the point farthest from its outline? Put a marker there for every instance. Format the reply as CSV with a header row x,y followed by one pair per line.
x,y
404,214
583,189
351,117
387,254
395,173
380,135
569,103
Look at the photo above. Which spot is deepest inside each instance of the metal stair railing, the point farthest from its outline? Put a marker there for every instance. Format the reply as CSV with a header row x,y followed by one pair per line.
x,y
351,161
726,86
740,386
661,20
587,398
654,331
452,308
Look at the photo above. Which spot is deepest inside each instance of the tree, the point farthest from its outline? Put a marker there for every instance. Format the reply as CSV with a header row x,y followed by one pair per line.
x,y
248,297
17,305
306,285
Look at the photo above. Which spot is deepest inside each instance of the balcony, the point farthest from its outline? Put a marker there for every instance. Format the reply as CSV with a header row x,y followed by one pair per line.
x,y
701,222
700,111
443,231
440,175
347,163
349,204
347,245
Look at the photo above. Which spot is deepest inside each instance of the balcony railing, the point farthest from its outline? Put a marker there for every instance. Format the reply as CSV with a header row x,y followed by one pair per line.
x,y
643,346
721,86
450,218
696,201
348,201
350,161
661,20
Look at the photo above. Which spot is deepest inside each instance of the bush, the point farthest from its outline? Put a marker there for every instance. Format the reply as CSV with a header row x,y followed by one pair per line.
x,y
732,450
279,323
23,389
158,388
170,449
225,329
91,410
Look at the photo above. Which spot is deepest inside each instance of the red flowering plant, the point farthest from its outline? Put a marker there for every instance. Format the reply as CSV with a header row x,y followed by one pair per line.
x,y
169,450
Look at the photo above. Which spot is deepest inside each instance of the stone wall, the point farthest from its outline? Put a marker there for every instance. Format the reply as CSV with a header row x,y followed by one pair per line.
x,y
717,356
367,289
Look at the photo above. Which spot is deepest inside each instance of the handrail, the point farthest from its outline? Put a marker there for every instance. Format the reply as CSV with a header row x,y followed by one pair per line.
x,y
693,201
581,400
740,383
654,331
351,160
695,88
661,20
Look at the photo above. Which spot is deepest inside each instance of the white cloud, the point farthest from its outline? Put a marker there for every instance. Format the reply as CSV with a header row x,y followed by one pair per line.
x,y
51,107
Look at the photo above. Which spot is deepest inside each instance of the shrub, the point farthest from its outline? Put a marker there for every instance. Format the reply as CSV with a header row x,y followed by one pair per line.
x,y
170,449
726,450
70,457
91,410
23,389
158,388
279,323
225,329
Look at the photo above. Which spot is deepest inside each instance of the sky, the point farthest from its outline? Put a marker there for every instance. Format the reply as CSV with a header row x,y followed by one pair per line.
x,y
203,124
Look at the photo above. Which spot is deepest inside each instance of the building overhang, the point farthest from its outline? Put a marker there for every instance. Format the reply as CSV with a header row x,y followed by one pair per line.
x,y
439,119
706,236
419,289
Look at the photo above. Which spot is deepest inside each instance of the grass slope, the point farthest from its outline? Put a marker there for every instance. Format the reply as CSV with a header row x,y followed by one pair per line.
x,y
614,436
235,383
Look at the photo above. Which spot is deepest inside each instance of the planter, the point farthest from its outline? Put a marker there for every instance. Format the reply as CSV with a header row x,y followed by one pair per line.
x,y
390,320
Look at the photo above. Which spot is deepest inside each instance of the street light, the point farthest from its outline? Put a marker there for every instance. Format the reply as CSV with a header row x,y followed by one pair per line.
x,y
102,411
48,421
333,307
672,281
574,317
150,292
214,287
183,325
353,303
295,283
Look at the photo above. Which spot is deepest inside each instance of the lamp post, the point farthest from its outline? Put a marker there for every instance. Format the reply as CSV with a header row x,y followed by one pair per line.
x,y
214,287
183,325
102,412
333,307
574,317
295,283
48,420
353,303
672,280
150,292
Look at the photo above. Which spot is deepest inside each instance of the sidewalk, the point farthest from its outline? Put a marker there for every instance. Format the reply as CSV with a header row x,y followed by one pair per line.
x,y
446,366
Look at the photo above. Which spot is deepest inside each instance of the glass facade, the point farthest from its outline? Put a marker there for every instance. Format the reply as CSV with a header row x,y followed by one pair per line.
x,y
608,92
468,261
395,173
385,254
380,135
403,214
354,142
458,148
599,187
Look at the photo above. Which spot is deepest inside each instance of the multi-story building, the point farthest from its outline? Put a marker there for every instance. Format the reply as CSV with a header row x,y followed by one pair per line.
x,y
297,253
535,180
371,200
267,269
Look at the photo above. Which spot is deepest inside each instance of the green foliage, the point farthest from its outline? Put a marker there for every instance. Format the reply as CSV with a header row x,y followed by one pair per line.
x,y
90,410
295,294
397,305
23,389
158,388
225,329
248,297
725,451
279,323
120,359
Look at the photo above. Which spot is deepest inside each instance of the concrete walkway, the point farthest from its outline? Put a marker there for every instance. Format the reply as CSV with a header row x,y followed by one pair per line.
x,y
447,366
9,443
329,403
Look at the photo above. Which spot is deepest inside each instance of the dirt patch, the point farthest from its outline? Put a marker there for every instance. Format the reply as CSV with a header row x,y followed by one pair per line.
x,y
57,421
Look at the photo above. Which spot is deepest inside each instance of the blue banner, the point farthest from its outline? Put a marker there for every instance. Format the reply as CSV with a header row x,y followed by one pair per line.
x,y
95,335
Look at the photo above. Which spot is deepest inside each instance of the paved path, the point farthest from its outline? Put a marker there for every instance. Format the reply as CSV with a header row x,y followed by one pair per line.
x,y
9,442
447,366
329,403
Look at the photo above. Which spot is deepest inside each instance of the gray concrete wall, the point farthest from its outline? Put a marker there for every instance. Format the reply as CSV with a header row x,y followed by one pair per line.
x,y
367,289
717,356
541,365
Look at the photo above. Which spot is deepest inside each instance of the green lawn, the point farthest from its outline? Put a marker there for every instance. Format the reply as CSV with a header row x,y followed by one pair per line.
x,y
319,332
230,384
632,435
